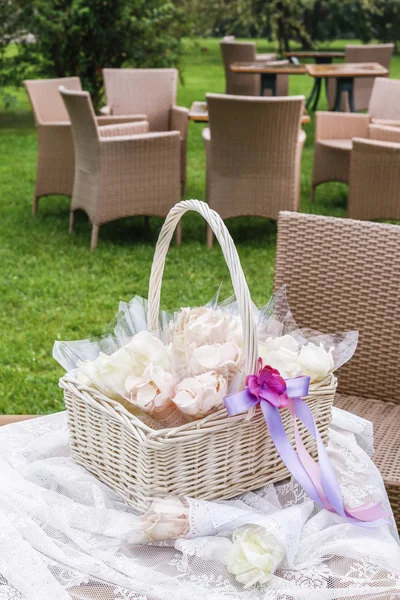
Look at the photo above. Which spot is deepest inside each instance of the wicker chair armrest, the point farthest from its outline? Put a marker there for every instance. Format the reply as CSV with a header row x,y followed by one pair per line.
x,y
113,119
266,57
162,139
385,122
106,110
371,150
123,129
336,126
180,120
384,134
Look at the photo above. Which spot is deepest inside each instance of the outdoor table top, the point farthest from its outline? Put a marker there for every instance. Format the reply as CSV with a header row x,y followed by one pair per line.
x,y
260,67
316,54
198,113
372,69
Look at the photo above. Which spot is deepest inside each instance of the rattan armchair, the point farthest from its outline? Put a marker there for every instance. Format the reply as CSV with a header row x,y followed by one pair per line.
x,y
343,275
247,85
334,132
151,94
55,162
253,151
380,53
120,170
374,186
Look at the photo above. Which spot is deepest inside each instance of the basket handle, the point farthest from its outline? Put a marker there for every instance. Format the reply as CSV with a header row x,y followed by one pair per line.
x,y
232,260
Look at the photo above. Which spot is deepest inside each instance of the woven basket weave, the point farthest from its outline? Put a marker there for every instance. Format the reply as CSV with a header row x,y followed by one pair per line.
x,y
215,457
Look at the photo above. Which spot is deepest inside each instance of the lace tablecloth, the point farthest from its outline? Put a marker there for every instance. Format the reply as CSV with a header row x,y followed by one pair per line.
x,y
64,535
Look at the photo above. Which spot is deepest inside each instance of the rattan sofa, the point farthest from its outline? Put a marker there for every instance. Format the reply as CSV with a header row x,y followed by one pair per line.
x,y
247,85
253,151
334,132
354,53
55,161
343,275
149,94
120,170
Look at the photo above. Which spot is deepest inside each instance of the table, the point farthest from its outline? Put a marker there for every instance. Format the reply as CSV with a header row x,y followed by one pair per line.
x,y
344,74
268,72
66,535
199,114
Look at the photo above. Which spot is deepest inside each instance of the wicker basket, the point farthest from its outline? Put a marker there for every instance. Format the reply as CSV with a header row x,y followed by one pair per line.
x,y
215,457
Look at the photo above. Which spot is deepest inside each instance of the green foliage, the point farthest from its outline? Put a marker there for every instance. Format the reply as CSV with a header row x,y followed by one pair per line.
x,y
80,37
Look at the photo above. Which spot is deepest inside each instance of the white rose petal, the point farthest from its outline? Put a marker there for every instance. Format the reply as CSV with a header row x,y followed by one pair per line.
x,y
225,359
315,361
254,556
152,391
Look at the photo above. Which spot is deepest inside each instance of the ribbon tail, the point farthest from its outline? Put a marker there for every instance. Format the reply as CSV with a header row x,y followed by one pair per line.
x,y
329,481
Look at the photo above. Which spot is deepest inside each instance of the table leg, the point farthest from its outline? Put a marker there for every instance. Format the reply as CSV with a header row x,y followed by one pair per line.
x,y
344,84
314,94
268,82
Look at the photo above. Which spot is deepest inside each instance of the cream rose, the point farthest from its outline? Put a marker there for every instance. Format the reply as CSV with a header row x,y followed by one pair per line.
x,y
315,361
199,396
281,353
110,372
167,519
225,359
152,391
197,326
254,556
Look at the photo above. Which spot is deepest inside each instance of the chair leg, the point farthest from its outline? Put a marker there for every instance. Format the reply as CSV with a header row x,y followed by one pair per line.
x,y
210,237
312,199
95,237
178,234
71,222
35,205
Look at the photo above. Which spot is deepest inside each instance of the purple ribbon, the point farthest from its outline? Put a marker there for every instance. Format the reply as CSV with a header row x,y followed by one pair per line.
x,y
272,392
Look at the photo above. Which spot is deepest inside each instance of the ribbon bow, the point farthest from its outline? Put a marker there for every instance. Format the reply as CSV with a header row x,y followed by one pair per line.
x,y
272,392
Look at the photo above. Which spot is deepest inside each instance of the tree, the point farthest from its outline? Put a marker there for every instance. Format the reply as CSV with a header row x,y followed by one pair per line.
x,y
80,37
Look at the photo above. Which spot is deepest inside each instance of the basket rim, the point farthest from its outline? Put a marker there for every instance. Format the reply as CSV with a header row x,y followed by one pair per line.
x,y
102,402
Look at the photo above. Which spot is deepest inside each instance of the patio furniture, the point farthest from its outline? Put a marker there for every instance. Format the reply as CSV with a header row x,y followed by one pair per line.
x,y
55,162
269,72
198,113
321,57
149,92
343,275
248,84
120,170
345,75
374,186
334,132
253,151
379,53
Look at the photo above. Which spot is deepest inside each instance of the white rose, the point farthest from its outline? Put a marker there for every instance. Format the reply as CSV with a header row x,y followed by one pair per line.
x,y
225,359
281,353
315,361
254,556
167,519
235,331
199,396
152,391
110,372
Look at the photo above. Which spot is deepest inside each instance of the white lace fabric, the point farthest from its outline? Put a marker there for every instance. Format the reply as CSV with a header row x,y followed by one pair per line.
x,y
64,535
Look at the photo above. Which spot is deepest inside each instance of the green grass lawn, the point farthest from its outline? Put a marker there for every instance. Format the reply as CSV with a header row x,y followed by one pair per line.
x,y
53,287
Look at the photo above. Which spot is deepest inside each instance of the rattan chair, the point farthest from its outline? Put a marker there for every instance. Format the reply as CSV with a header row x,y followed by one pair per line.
x,y
247,85
253,150
55,162
149,92
380,53
334,132
344,275
120,170
374,186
